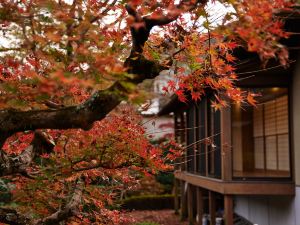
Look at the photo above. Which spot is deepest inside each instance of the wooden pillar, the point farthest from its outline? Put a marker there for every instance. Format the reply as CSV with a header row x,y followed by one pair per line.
x,y
226,149
228,209
190,204
200,206
183,208
176,196
212,207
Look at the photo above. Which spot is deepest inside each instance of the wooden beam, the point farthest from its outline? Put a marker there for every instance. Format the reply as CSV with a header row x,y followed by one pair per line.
x,y
239,187
226,149
228,209
212,207
200,206
190,204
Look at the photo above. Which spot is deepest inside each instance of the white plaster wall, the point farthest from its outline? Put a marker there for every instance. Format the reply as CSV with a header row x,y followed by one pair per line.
x,y
281,210
152,126
270,210
241,206
258,210
297,206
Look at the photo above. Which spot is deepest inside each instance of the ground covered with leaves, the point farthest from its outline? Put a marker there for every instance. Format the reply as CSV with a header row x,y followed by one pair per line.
x,y
162,217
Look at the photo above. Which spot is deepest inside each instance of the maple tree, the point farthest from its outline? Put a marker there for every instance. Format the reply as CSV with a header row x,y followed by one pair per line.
x,y
65,65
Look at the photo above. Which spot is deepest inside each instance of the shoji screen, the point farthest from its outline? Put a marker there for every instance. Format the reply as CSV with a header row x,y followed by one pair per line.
x,y
270,133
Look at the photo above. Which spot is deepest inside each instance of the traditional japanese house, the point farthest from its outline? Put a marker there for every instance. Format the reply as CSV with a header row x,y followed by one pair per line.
x,y
242,162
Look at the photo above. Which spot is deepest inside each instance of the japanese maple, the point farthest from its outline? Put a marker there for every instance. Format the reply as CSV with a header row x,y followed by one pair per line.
x,y
66,64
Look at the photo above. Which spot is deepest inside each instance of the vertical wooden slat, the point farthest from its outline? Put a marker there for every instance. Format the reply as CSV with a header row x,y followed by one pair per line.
x,y
190,204
195,138
176,127
177,166
176,196
211,149
202,132
264,137
183,201
197,135
206,135
177,138
226,149
212,207
228,209
276,131
183,139
200,205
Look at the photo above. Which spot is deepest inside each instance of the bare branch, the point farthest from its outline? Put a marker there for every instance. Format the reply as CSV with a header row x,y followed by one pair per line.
x,y
67,211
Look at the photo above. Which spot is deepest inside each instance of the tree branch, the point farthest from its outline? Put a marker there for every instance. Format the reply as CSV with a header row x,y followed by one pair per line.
x,y
18,164
141,28
69,210
101,102
79,116
12,217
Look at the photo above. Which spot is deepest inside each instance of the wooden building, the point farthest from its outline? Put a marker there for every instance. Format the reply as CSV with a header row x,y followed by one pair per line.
x,y
242,163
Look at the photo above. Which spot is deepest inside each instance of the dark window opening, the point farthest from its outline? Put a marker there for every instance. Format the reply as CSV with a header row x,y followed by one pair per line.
x,y
203,155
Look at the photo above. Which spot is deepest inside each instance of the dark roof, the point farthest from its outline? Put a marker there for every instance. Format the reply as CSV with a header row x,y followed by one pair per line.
x,y
171,106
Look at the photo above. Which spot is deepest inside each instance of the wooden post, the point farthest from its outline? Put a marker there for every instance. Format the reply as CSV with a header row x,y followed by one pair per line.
x,y
200,205
190,204
212,207
176,197
228,209
226,153
183,208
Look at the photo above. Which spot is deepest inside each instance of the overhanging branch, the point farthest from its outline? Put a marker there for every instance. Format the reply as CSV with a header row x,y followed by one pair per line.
x,y
101,102
79,116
